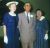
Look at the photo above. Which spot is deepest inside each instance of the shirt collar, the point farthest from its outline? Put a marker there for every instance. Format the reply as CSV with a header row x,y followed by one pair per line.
x,y
28,13
12,13
42,17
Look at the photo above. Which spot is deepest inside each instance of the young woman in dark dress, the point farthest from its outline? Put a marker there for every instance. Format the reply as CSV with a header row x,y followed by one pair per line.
x,y
10,23
41,30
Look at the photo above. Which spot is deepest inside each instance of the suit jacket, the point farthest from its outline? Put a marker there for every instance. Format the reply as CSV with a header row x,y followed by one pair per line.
x,y
27,30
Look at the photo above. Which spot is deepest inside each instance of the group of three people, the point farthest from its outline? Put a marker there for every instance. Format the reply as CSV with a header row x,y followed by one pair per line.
x,y
26,27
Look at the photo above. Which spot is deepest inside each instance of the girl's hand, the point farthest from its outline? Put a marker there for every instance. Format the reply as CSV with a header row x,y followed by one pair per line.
x,y
46,37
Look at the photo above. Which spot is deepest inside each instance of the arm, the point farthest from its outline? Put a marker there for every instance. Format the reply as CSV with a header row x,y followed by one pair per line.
x,y
4,24
5,36
19,23
46,27
4,29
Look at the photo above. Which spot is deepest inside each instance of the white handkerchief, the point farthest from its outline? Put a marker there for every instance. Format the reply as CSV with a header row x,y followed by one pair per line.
x,y
6,39
46,36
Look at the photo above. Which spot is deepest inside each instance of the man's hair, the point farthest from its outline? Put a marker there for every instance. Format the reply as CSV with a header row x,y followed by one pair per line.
x,y
30,5
43,13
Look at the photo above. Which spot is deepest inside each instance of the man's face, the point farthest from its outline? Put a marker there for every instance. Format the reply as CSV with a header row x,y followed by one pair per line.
x,y
27,7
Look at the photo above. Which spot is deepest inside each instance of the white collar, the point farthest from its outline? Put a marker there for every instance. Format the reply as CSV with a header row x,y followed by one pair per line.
x,y
12,13
42,17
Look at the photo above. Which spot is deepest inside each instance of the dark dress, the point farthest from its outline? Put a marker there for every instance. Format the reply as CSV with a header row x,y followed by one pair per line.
x,y
41,27
12,31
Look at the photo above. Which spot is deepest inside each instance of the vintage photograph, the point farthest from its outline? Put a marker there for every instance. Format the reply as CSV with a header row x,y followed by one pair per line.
x,y
24,23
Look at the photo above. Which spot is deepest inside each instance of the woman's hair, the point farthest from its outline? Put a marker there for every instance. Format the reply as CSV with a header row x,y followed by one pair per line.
x,y
41,11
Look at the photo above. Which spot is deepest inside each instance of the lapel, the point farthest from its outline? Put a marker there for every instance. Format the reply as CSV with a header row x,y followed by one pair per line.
x,y
31,18
25,18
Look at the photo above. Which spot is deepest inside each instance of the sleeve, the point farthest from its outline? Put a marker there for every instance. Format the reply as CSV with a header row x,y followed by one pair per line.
x,y
19,23
34,21
46,28
4,23
46,25
5,19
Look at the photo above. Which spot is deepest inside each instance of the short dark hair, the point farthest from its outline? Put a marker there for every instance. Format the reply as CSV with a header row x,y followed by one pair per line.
x,y
30,5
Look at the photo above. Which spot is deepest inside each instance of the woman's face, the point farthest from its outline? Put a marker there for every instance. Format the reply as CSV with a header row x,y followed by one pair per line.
x,y
12,7
39,13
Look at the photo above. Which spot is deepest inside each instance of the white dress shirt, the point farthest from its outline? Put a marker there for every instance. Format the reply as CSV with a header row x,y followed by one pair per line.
x,y
28,14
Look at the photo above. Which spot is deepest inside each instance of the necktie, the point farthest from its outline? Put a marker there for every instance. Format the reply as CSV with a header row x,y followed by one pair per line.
x,y
27,18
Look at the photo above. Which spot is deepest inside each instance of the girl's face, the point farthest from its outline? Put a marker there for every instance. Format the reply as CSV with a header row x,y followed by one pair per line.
x,y
12,7
39,13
